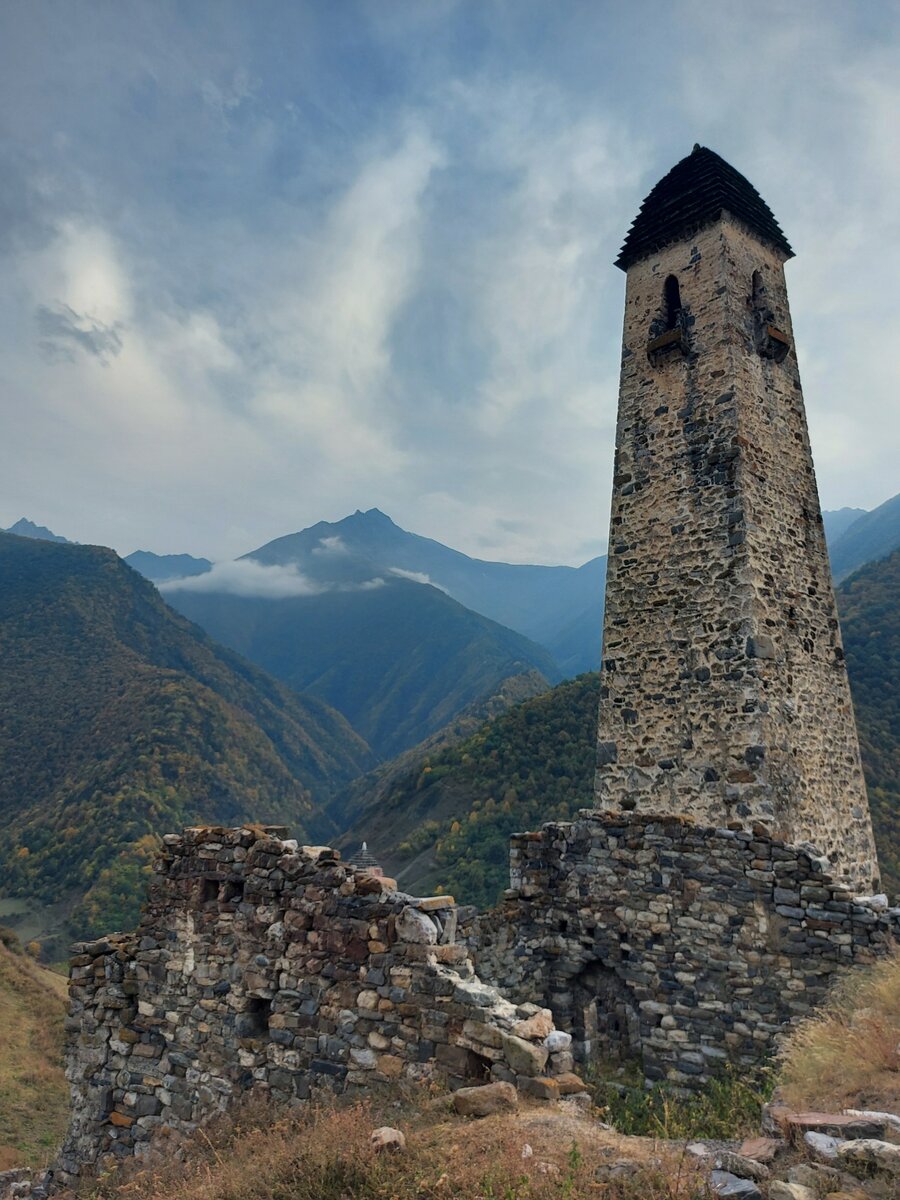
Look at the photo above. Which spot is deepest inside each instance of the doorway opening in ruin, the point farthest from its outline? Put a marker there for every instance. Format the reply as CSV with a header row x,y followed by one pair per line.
x,y
478,1068
605,1021
253,1022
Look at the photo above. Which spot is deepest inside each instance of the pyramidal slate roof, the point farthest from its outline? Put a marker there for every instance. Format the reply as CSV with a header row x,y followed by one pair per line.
x,y
693,194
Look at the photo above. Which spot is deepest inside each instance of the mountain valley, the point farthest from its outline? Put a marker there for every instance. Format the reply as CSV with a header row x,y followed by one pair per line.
x,y
386,703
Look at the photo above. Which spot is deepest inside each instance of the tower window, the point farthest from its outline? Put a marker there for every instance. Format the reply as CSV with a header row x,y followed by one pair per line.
x,y
668,338
671,302
770,341
757,292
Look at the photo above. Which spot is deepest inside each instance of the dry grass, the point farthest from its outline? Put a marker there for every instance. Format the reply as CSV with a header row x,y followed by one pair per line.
x,y
324,1154
848,1055
34,1096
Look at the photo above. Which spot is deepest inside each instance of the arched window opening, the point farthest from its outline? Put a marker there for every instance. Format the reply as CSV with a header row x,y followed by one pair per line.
x,y
671,302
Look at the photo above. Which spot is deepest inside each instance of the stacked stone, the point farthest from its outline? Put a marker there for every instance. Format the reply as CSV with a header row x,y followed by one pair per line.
x,y
681,945
724,691
262,964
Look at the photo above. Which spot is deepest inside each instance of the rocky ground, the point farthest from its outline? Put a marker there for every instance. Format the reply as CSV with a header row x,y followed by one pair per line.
x,y
489,1143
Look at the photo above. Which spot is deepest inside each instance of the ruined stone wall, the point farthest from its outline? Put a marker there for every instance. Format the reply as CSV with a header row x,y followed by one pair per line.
x,y
681,945
259,963
725,692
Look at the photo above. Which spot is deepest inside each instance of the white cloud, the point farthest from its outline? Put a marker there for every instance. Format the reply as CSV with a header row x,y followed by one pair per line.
x,y
311,298
331,306
331,546
416,577
245,577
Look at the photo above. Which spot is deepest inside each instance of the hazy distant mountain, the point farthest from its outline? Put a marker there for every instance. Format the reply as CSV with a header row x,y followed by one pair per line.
x,y
559,607
25,528
399,659
838,520
120,720
872,536
161,567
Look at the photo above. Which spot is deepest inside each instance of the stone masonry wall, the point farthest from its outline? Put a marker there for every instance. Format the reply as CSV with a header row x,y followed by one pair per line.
x,y
259,963
681,945
724,692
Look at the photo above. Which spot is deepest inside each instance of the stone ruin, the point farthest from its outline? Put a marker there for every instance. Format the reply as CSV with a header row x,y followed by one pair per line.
x,y
676,945
262,964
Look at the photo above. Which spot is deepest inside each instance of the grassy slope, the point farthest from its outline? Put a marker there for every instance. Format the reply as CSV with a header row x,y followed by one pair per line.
x,y
325,1154
846,1055
33,1093
119,721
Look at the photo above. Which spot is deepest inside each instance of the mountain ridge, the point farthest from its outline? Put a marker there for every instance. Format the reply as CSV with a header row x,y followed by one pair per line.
x,y
119,719
398,660
535,601
871,537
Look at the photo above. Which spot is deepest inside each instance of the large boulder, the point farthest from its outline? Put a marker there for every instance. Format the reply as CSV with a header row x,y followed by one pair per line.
x,y
739,1164
779,1190
837,1125
386,1138
486,1100
866,1156
415,926
730,1187
525,1058
536,1027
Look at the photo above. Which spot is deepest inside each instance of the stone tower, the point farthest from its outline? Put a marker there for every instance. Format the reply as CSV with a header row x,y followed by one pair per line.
x,y
724,691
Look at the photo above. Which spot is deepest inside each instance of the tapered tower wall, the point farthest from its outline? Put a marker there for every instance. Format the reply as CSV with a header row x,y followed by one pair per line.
x,y
725,694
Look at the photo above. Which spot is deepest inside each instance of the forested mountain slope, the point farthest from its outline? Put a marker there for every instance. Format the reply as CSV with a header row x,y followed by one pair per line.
x,y
869,603
446,823
400,660
119,720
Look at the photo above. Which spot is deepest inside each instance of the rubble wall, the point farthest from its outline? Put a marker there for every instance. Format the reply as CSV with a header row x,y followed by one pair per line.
x,y
681,945
262,964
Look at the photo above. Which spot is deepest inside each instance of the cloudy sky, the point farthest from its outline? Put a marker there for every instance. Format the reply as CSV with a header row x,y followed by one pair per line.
x,y
265,263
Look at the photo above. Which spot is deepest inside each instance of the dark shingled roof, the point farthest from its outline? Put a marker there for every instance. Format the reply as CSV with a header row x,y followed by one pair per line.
x,y
693,194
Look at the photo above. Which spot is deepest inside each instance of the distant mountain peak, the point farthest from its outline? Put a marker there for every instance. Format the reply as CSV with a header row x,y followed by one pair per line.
x,y
160,568
371,516
25,528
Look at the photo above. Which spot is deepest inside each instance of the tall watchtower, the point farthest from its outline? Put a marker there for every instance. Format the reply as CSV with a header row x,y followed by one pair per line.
x,y
724,691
